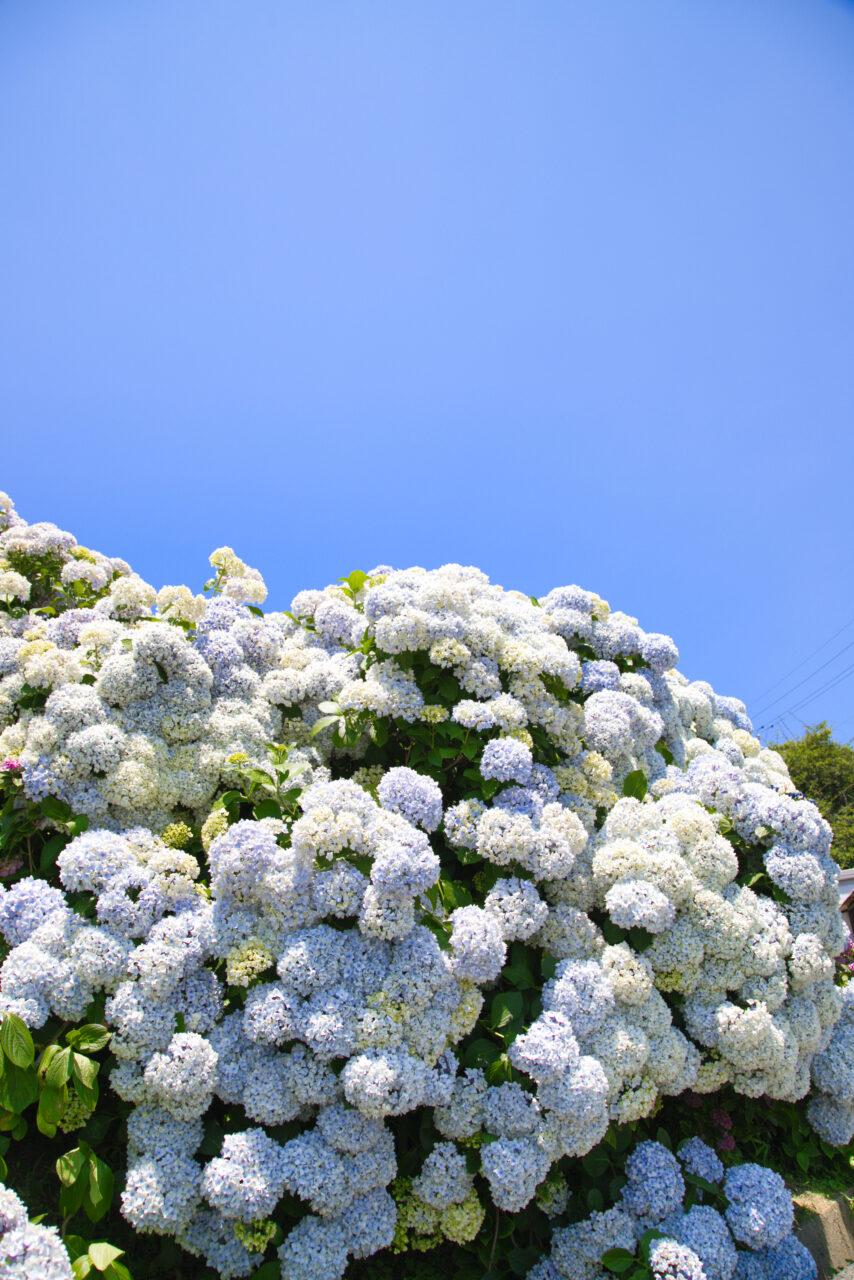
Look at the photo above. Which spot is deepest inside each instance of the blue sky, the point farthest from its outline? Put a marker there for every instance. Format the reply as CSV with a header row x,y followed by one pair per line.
x,y
560,289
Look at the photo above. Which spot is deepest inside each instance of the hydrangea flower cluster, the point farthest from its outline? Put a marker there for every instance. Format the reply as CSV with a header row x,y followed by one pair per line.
x,y
27,1249
498,796
751,1239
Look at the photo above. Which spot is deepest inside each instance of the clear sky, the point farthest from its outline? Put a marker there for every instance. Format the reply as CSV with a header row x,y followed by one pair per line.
x,y
564,289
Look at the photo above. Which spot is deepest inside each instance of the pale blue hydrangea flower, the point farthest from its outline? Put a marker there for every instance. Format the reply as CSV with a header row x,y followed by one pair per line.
x,y
416,797
316,1249
506,760
669,1260
655,1184
444,1179
788,1260
760,1211
581,991
26,906
699,1159
368,1223
161,1192
638,904
477,945
30,1252
703,1229
514,1168
599,674
548,1049
247,1179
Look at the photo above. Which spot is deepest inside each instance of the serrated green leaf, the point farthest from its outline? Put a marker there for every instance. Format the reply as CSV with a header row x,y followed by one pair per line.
x,y
16,1041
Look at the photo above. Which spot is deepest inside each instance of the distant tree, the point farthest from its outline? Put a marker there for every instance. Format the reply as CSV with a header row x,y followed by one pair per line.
x,y
824,771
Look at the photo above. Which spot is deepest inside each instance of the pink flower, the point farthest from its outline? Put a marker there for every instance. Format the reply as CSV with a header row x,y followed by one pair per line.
x,y
723,1118
9,866
727,1142
11,765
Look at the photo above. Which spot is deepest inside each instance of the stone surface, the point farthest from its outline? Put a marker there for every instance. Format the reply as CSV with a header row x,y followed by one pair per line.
x,y
828,1233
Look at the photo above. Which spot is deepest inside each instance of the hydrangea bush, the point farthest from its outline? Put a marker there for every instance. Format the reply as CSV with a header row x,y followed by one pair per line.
x,y
390,909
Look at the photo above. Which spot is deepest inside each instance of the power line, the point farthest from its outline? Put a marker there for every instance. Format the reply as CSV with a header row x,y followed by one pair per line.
x,y
759,697
763,710
810,697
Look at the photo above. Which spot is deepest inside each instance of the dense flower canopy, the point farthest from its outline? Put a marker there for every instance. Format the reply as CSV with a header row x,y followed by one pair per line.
x,y
419,846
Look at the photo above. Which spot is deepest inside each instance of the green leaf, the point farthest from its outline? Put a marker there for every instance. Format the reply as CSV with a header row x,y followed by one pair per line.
x,y
268,808
99,1193
45,1126
51,849
78,824
18,1088
269,1271
59,1069
255,611
595,1164
506,1007
70,1166
521,1260
84,1069
117,1271
323,723
595,1200
81,1267
77,1247
804,1159
52,1105
89,1038
102,1254
55,809
663,750
16,1041
618,1260
329,708
480,1052
161,672
635,784
646,1242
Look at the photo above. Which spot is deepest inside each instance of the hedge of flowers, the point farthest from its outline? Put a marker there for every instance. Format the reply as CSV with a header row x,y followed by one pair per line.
x,y
376,917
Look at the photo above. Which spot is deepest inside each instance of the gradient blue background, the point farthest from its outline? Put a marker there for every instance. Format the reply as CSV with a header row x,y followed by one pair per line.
x,y
562,289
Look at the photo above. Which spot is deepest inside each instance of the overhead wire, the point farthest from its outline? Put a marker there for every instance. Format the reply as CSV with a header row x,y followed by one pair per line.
x,y
810,697
761,696
764,709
